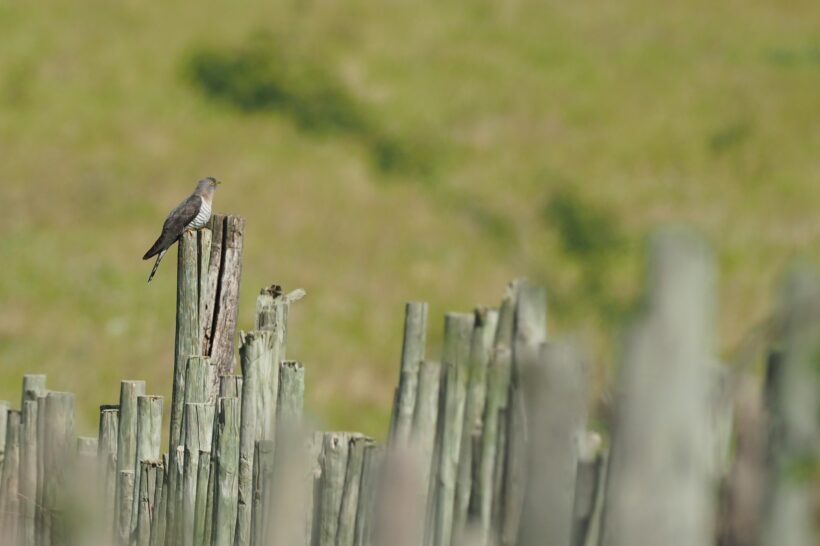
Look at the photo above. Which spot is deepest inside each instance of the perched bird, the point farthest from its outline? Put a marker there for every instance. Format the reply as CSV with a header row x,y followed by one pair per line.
x,y
191,214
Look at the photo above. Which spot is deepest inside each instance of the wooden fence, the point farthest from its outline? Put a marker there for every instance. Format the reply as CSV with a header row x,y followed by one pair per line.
x,y
488,444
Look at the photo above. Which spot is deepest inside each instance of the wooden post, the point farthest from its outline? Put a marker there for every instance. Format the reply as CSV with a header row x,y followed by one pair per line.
x,y
257,408
127,428
198,433
34,385
481,345
662,411
554,396
335,450
173,503
458,328
147,500
228,271
227,462
40,513
793,405
412,354
125,491
28,472
345,534
498,384
291,398
187,342
425,419
262,494
198,382
148,440
372,464
60,444
202,493
9,488
160,510
107,440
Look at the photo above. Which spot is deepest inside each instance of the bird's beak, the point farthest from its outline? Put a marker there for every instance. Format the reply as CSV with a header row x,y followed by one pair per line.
x,y
218,182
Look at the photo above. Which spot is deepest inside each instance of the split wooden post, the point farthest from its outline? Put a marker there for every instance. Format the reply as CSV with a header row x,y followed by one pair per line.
x,y
412,354
224,275
458,328
59,448
227,462
667,359
230,386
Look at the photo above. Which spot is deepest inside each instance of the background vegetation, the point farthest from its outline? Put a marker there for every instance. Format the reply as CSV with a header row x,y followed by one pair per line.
x,y
383,152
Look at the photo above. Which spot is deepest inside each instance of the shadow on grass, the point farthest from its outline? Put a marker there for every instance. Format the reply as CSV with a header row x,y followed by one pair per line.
x,y
260,76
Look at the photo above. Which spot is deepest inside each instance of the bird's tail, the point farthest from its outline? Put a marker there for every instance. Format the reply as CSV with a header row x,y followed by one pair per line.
x,y
156,265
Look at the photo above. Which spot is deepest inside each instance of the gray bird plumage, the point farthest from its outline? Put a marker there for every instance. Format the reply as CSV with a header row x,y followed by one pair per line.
x,y
193,213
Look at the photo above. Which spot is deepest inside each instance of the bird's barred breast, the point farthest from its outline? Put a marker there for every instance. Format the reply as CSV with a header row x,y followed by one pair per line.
x,y
201,218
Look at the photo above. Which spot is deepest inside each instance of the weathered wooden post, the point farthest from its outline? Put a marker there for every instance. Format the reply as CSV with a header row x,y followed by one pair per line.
x,y
107,439
130,391
34,385
147,500
59,448
335,451
125,493
425,420
661,411
227,463
149,432
372,466
458,328
257,417
481,345
28,472
198,433
486,489
345,534
590,484
290,401
9,487
412,354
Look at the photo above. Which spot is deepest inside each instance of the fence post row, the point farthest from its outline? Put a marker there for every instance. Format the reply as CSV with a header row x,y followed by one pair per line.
x,y
488,443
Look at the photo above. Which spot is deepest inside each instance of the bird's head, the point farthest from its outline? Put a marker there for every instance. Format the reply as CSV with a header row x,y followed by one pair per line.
x,y
207,186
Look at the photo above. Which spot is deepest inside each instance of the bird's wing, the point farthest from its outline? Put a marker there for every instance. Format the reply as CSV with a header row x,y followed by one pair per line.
x,y
180,217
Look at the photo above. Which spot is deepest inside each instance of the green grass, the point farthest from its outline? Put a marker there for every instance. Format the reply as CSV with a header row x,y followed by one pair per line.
x,y
542,122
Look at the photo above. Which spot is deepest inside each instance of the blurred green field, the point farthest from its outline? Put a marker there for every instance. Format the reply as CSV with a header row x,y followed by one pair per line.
x,y
397,150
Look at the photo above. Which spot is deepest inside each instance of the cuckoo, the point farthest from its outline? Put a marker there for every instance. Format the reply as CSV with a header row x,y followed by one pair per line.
x,y
191,214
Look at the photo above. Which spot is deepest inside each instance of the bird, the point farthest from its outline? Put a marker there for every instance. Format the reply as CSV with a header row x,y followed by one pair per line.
x,y
190,215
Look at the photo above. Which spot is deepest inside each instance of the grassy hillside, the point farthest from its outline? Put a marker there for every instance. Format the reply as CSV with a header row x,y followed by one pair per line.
x,y
383,152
